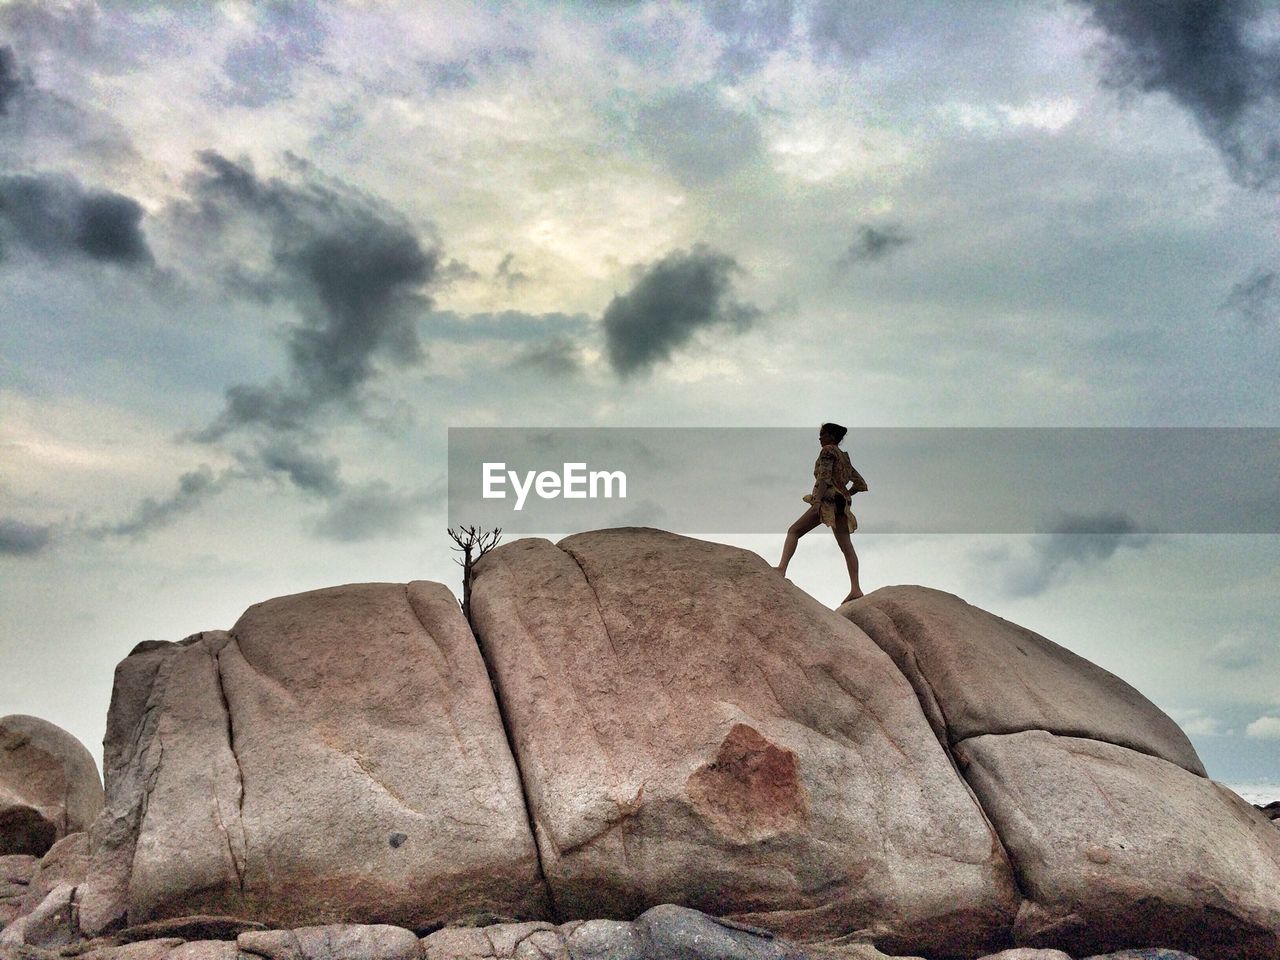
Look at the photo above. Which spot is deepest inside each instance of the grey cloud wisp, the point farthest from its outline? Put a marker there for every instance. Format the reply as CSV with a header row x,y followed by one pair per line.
x,y
1077,542
11,81
873,242
19,538
58,218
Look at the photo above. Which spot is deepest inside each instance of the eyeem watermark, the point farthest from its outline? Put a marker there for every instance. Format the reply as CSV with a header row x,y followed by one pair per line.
x,y
1104,481
574,482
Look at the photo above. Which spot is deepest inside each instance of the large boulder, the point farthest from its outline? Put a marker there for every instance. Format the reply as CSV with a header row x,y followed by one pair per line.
x,y
1115,834
976,673
337,756
49,785
693,728
1115,849
633,719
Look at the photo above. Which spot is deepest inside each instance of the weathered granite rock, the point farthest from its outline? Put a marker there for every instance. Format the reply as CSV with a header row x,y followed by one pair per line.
x,y
205,950
16,870
664,932
670,932
1117,849
53,923
66,862
49,785
688,728
977,673
198,927
605,940
143,950
692,728
332,942
1028,953
337,755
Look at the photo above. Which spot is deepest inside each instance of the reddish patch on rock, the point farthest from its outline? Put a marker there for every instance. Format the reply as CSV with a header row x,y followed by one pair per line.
x,y
751,791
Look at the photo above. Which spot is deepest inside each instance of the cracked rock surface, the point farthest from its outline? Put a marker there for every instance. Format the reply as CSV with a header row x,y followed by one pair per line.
x,y
635,720
336,756
1116,836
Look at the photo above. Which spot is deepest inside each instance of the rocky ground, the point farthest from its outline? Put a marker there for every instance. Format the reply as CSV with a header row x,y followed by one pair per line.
x,y
665,932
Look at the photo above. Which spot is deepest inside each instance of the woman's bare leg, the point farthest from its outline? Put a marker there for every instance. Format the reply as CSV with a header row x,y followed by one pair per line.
x,y
808,520
850,561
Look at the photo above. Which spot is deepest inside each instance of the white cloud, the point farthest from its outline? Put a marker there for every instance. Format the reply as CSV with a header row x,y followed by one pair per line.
x,y
1196,723
1264,728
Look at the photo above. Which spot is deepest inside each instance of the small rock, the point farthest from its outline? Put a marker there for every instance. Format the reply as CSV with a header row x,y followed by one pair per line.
x,y
542,945
66,862
205,950
1146,953
53,923
1028,953
142,950
605,940
336,941
506,937
671,932
14,933
456,943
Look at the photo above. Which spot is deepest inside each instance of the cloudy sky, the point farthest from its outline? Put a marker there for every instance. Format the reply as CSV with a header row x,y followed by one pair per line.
x,y
255,259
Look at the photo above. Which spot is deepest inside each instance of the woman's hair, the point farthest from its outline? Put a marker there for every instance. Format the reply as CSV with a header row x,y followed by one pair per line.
x,y
835,430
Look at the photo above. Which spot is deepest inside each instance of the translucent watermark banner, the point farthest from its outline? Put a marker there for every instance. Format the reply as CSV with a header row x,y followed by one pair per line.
x,y
705,480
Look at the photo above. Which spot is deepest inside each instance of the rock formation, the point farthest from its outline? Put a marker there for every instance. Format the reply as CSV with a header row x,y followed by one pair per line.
x,y
336,756
632,720
1116,836
49,785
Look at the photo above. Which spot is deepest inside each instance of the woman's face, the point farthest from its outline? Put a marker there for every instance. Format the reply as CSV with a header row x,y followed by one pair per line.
x,y
824,438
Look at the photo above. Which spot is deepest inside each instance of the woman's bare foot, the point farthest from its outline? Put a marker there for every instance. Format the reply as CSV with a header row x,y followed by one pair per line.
x,y
853,596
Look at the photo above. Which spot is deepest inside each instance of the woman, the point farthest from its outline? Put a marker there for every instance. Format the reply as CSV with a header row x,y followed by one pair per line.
x,y
829,503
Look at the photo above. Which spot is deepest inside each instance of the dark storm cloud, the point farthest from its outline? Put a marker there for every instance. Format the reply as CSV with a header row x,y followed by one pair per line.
x,y
673,299
355,273
374,510
194,488
1204,54
57,217
260,70
11,81
697,136
556,357
1076,542
873,243
1256,298
18,538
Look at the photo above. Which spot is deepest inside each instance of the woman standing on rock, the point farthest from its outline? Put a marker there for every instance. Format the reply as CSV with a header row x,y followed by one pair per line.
x,y
829,503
